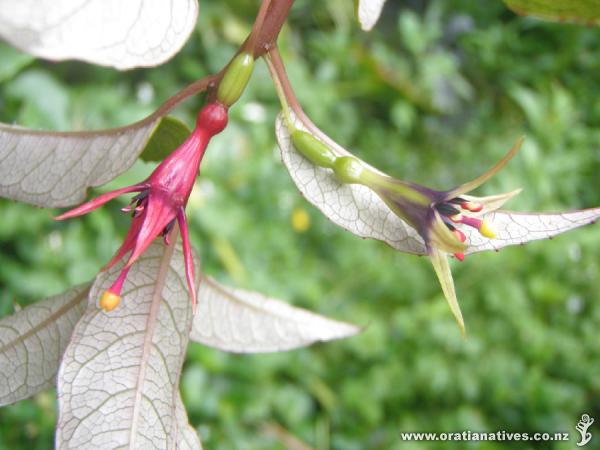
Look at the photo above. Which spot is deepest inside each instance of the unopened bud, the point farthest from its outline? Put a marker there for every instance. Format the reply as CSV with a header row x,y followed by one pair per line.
x,y
313,149
109,301
460,256
348,170
236,78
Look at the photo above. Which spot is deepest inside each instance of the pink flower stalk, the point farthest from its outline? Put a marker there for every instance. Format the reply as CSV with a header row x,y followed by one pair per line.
x,y
162,199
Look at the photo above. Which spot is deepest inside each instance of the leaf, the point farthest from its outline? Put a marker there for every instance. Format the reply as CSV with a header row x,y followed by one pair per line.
x,y
167,136
240,321
353,207
585,12
186,436
368,13
124,35
54,169
12,62
118,384
513,228
32,342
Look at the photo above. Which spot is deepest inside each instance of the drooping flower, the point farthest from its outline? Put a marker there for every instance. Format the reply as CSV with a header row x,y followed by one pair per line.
x,y
409,217
439,217
161,200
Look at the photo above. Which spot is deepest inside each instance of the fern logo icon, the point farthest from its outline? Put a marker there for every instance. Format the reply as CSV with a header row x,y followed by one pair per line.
x,y
582,426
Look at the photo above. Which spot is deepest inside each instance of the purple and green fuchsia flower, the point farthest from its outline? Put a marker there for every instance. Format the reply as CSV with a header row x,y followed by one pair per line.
x,y
433,223
161,200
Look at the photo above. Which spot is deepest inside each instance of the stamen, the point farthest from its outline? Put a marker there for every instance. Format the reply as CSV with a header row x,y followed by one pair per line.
x,y
141,196
166,231
482,226
459,235
471,206
112,296
462,238
486,230
471,221
446,210
109,301
138,210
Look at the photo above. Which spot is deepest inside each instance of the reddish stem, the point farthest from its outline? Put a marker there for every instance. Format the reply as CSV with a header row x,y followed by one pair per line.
x,y
276,16
258,25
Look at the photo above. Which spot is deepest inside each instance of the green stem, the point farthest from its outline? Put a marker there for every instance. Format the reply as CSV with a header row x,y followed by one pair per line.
x,y
285,107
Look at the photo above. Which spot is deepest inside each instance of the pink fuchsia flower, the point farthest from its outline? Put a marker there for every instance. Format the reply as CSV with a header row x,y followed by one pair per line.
x,y
161,201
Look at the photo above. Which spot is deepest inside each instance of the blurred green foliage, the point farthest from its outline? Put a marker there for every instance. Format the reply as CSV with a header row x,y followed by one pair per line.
x,y
435,94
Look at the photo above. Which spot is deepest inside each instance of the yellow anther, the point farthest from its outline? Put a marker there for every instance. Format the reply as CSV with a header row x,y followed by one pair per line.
x,y
486,230
109,301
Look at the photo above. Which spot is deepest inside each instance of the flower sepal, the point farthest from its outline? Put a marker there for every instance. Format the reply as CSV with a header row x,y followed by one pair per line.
x,y
160,202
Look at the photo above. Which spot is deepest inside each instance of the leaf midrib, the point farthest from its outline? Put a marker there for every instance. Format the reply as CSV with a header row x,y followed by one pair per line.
x,y
47,321
150,326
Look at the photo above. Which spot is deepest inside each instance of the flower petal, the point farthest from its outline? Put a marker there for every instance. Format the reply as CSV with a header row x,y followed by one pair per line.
x,y
157,213
128,243
442,270
442,238
187,256
513,228
98,201
469,186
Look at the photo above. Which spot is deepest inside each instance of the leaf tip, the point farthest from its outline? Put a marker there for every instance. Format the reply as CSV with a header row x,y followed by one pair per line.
x,y
368,12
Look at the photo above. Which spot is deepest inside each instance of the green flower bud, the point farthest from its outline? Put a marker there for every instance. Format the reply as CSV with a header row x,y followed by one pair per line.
x,y
313,149
349,170
236,78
